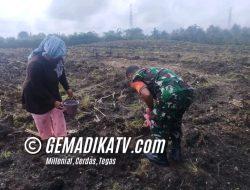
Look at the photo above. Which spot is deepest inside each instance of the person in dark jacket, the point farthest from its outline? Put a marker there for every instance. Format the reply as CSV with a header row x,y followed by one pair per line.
x,y
41,95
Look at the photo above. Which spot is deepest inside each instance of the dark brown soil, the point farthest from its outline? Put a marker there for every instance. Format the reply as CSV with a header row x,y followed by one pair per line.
x,y
216,141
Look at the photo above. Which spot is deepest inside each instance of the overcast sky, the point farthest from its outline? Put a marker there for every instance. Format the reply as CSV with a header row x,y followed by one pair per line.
x,y
69,16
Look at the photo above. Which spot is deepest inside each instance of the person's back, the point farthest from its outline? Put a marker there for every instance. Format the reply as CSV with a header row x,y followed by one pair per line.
x,y
161,82
40,88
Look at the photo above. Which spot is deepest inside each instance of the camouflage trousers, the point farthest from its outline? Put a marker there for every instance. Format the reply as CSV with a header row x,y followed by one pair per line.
x,y
167,116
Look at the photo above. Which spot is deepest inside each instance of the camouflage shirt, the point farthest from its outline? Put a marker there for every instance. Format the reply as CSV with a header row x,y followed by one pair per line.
x,y
162,83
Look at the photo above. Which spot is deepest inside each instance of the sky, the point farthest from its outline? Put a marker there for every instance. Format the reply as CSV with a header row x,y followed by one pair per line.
x,y
69,16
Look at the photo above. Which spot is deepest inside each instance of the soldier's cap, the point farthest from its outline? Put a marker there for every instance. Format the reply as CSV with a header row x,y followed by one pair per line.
x,y
131,69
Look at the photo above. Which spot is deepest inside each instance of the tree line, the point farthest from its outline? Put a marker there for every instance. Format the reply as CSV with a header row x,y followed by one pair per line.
x,y
212,35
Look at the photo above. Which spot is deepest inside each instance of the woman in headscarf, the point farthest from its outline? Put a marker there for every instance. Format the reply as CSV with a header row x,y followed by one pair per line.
x,y
41,95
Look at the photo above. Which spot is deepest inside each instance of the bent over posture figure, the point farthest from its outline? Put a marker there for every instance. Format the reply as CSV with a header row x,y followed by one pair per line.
x,y
41,95
167,97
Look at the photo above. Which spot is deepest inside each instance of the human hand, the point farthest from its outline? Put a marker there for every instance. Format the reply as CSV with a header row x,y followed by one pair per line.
x,y
70,93
148,111
58,105
147,116
147,121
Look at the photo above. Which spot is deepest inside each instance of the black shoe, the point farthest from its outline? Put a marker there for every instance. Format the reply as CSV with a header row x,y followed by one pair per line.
x,y
175,154
160,159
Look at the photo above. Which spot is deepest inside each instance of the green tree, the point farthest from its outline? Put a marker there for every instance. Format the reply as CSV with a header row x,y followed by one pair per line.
x,y
236,33
177,34
23,35
155,34
245,35
134,34
11,42
2,42
194,34
164,35
214,35
112,35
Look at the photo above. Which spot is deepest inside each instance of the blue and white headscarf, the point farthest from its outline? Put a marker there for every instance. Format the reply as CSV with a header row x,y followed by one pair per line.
x,y
54,48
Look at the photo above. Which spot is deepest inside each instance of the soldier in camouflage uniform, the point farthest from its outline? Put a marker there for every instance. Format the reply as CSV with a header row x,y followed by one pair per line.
x,y
167,97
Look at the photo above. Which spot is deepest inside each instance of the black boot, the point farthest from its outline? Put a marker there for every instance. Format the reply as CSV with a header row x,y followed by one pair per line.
x,y
175,136
176,154
157,158
176,148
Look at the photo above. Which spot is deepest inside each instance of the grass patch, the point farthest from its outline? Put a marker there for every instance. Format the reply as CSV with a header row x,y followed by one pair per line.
x,y
143,168
5,154
116,186
1,109
62,91
85,102
21,119
135,123
31,126
136,107
194,170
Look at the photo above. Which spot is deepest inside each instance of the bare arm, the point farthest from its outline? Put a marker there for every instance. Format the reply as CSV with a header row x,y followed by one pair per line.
x,y
144,93
147,97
